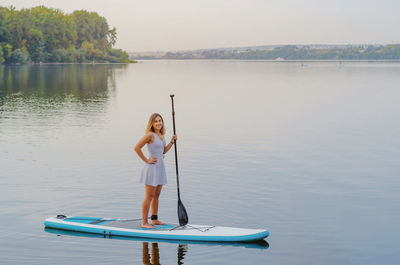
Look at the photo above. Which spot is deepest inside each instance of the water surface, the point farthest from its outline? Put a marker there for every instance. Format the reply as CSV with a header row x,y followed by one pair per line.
x,y
309,151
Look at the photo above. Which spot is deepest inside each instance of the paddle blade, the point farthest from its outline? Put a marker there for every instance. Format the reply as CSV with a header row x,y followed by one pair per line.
x,y
182,214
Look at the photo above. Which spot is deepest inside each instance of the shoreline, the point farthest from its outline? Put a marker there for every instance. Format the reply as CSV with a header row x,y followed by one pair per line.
x,y
61,63
266,60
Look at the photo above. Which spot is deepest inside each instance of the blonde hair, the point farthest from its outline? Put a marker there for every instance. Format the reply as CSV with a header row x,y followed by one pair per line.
x,y
150,127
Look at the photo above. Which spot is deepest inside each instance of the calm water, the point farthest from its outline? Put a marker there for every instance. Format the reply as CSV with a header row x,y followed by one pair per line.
x,y
310,152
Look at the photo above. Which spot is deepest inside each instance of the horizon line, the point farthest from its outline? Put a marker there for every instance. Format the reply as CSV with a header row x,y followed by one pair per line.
x,y
266,45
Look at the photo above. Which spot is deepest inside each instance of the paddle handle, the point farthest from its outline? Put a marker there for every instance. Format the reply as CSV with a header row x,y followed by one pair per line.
x,y
175,147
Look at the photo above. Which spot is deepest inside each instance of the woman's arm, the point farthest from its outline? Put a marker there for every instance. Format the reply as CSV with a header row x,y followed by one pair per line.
x,y
138,149
170,144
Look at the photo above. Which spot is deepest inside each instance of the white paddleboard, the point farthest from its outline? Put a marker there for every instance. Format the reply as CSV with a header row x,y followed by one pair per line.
x,y
131,228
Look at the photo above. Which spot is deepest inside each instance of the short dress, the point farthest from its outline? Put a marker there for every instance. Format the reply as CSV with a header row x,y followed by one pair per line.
x,y
154,174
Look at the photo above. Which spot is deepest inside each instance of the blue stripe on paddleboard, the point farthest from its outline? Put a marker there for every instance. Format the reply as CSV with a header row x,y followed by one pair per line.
x,y
104,221
87,220
83,220
108,231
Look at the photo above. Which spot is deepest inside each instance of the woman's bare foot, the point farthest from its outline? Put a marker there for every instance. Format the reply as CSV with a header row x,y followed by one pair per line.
x,y
147,225
157,222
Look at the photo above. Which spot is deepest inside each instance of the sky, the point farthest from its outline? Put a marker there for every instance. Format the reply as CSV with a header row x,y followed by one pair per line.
x,y
172,25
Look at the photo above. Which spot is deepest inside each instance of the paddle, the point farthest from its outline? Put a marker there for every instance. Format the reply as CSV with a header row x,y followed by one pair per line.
x,y
182,214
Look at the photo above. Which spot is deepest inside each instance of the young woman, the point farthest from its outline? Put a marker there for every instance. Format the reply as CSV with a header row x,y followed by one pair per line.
x,y
153,173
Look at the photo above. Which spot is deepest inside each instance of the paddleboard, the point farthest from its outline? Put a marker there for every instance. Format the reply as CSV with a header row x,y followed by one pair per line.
x,y
259,244
131,228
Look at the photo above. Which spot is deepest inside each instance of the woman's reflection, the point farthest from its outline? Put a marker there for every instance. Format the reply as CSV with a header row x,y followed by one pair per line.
x,y
154,258
155,254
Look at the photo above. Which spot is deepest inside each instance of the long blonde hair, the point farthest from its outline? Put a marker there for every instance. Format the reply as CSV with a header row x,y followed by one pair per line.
x,y
150,127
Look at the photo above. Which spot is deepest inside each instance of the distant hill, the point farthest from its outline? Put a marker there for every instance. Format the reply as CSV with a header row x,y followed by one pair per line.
x,y
283,52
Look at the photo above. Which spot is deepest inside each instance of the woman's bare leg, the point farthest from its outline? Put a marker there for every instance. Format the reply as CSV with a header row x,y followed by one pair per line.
x,y
154,205
148,197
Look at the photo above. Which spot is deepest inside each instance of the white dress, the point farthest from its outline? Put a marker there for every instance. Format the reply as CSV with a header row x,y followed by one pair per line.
x,y
154,174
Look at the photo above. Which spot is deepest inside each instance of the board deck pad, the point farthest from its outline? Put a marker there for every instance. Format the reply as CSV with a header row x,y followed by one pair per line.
x,y
132,228
133,224
127,223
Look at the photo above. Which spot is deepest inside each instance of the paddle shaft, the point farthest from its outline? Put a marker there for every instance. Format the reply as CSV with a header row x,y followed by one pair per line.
x,y
175,147
182,214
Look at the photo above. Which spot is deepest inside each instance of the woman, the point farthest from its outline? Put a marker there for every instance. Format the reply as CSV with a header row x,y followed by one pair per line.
x,y
153,173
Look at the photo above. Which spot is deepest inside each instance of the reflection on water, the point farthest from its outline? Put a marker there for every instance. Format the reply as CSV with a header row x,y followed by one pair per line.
x,y
151,255
182,249
82,82
154,257
54,94
313,151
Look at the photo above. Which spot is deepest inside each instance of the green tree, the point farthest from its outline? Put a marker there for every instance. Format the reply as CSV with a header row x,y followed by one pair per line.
x,y
44,34
36,45
89,49
2,60
94,29
18,56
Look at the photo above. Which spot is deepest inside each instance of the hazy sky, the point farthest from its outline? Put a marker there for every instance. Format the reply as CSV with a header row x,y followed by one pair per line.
x,y
161,25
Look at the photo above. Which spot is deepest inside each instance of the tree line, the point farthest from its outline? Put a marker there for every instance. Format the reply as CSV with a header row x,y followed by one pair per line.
x,y
42,34
293,52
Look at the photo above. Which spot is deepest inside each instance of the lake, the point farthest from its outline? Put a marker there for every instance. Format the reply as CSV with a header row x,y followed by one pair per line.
x,y
308,150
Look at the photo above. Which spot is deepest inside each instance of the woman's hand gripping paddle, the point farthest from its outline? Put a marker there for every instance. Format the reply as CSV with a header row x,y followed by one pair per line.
x,y
182,214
